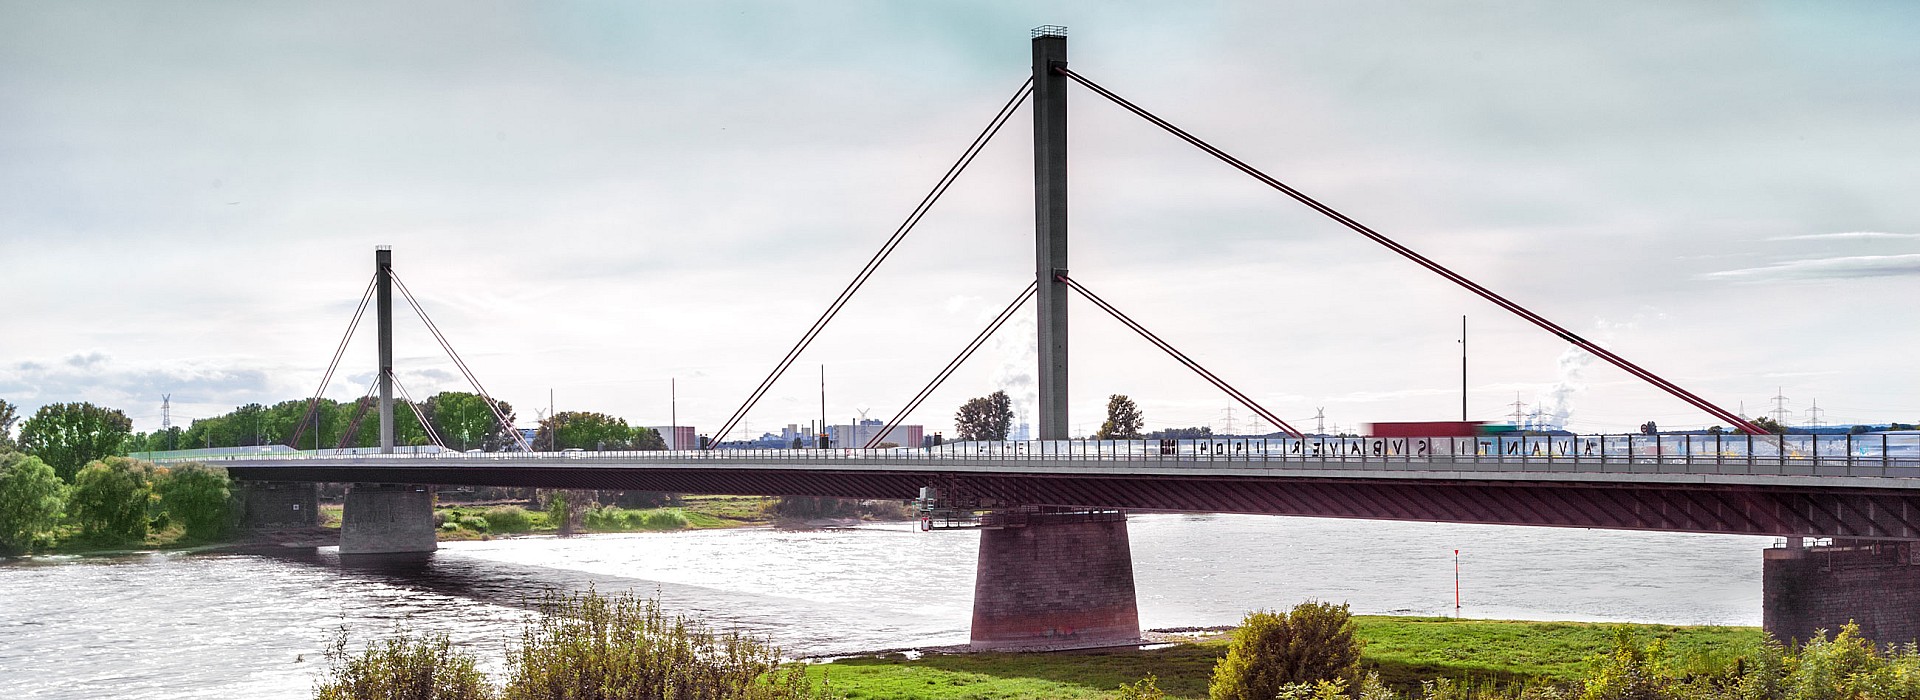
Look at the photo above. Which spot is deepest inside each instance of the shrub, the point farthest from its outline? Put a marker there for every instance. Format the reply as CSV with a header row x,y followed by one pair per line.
x,y
1271,651
32,497
199,498
476,523
1144,689
589,647
604,518
1630,671
612,519
663,519
111,499
403,668
508,519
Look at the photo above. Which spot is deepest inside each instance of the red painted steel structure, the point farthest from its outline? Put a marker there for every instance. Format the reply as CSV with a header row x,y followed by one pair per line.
x,y
1669,506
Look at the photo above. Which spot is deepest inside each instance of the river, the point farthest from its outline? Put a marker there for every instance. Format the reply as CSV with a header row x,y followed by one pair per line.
x,y
254,626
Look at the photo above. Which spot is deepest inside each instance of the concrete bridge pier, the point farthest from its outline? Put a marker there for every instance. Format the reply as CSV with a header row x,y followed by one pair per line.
x,y
387,519
1875,583
1060,581
267,506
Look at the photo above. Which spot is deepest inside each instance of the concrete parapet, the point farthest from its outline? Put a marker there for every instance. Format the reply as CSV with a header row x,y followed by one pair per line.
x,y
278,505
1055,584
387,519
1873,583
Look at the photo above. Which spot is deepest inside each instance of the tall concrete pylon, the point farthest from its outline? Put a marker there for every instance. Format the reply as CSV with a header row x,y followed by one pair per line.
x,y
1050,225
1057,580
383,310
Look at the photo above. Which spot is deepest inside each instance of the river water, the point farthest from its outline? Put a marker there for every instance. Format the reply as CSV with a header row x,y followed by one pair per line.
x,y
254,626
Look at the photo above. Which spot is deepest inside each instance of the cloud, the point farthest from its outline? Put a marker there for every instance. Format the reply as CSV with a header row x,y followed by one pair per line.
x,y
1851,267
205,385
1849,236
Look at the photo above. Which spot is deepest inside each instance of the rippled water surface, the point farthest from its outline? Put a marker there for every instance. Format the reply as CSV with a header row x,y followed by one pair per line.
x,y
248,626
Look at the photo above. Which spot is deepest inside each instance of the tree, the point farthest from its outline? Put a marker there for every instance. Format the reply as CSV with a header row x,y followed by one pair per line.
x,y
67,436
466,422
1200,433
199,497
1770,425
1123,420
1313,643
112,499
586,430
9,414
988,417
31,499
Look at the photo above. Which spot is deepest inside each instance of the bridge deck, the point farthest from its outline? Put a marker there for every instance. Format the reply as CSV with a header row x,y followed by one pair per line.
x,y
1881,462
1854,494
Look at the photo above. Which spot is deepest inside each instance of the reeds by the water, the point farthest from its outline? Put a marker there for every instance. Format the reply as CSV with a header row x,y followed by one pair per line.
x,y
581,647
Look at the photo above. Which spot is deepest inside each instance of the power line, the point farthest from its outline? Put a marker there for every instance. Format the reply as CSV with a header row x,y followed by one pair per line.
x,y
1780,412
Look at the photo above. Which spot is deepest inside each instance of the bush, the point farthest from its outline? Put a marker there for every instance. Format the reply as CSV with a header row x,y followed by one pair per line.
x,y
663,519
404,668
508,519
1272,651
1144,689
199,498
612,519
112,499
590,647
32,497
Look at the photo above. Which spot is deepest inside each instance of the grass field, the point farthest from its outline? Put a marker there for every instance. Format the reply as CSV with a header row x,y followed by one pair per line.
x,y
695,513
1403,650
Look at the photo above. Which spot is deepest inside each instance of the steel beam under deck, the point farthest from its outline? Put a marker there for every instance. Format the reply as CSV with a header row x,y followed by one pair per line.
x,y
1745,509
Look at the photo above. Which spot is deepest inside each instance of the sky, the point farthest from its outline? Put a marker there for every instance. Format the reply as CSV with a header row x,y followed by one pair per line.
x,y
597,201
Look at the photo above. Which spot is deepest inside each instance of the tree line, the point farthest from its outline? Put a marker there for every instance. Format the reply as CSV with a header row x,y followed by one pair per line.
x,y
109,502
461,420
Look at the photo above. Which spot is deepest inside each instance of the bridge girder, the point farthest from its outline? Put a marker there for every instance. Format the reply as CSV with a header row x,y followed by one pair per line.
x,y
1669,507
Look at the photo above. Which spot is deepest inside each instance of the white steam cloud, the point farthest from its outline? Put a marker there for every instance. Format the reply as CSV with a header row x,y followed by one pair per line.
x,y
1017,346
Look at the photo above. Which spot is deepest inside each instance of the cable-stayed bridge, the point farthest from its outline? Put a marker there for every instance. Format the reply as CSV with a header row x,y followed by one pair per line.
x,y
1055,568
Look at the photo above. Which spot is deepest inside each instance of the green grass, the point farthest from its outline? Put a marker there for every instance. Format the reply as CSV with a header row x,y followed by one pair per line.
x,y
699,514
1403,650
1406,650
740,510
1183,671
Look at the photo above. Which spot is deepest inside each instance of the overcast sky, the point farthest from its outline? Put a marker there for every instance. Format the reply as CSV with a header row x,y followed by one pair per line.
x,y
595,198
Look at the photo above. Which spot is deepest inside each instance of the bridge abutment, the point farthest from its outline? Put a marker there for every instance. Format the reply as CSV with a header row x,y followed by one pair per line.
x,y
1060,582
1875,584
387,519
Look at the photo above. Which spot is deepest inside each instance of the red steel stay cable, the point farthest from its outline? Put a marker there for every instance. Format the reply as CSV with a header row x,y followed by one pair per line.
x,y
1181,357
1518,310
954,364
973,150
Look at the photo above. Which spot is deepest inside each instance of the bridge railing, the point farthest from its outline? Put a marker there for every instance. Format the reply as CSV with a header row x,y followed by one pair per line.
x,y
1886,455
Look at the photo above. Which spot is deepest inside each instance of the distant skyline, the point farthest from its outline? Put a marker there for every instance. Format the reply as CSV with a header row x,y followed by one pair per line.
x,y
598,198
